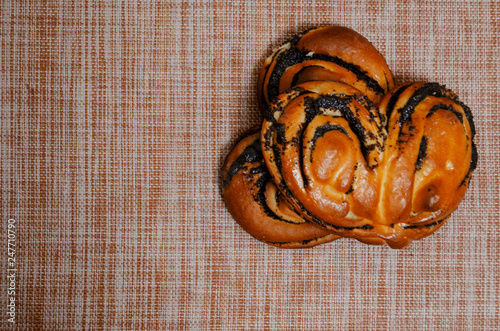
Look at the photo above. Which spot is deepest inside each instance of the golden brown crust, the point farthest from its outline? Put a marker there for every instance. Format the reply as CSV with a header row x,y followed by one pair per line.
x,y
255,203
392,174
345,151
331,53
351,47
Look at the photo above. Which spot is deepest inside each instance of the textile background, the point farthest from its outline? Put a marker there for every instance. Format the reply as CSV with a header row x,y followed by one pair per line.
x,y
115,119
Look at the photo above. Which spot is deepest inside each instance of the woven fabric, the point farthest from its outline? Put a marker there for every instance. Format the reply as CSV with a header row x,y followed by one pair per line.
x,y
116,117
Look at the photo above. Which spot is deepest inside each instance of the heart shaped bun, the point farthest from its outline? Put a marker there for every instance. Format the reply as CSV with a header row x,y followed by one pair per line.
x,y
344,152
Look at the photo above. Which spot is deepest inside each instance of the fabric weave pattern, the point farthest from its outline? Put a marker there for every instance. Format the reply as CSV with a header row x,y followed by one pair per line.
x,y
116,118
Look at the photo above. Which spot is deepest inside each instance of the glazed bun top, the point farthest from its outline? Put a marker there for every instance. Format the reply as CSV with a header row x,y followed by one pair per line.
x,y
330,53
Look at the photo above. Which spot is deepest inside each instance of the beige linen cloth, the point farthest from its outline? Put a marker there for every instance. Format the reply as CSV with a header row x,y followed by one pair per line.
x,y
115,119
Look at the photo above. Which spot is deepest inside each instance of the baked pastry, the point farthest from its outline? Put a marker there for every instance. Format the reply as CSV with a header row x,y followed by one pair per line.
x,y
390,174
342,152
330,53
256,204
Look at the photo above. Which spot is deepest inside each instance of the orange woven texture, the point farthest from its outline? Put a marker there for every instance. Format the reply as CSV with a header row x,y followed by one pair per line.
x,y
116,118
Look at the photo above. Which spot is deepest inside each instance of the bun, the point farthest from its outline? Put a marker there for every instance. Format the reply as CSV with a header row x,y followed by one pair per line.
x,y
256,204
342,152
331,53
